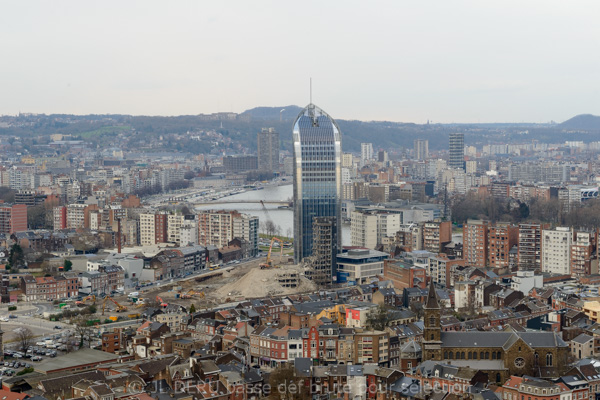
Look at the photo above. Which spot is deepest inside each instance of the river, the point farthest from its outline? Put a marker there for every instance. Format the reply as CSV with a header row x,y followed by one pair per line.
x,y
283,218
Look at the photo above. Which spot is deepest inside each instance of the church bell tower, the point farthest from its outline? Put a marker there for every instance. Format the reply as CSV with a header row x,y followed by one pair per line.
x,y
432,343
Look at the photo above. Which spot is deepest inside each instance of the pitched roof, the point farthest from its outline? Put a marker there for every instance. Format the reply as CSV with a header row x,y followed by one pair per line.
x,y
432,299
500,339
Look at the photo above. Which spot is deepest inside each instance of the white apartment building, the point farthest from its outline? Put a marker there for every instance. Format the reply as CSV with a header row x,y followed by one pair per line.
x,y
556,247
366,152
76,216
367,229
147,230
387,225
188,236
174,223
363,229
347,160
346,177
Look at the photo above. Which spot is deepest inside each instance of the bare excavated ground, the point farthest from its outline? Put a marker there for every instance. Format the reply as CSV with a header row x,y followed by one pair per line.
x,y
235,283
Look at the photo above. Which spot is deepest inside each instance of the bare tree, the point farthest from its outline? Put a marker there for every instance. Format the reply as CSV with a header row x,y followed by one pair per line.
x,y
82,330
270,228
24,338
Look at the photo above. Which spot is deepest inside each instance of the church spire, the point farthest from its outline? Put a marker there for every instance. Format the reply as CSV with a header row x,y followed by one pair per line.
x,y
432,298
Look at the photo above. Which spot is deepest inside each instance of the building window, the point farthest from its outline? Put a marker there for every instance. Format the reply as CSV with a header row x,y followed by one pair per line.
x,y
549,360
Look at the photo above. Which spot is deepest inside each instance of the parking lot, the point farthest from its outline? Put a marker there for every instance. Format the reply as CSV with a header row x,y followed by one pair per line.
x,y
41,348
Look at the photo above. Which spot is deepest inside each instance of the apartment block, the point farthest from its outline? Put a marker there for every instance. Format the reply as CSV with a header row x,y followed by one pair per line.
x,y
530,246
371,347
153,229
174,223
584,259
436,235
246,227
363,229
59,217
501,239
13,218
556,247
475,246
215,228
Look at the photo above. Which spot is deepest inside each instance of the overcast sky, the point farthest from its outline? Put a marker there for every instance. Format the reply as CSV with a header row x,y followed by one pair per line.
x,y
446,61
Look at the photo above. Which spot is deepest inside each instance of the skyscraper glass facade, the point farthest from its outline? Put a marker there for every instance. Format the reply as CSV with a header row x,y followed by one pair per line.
x,y
317,176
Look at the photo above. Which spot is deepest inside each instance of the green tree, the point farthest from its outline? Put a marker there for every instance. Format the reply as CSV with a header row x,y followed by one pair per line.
x,y
192,309
16,257
67,265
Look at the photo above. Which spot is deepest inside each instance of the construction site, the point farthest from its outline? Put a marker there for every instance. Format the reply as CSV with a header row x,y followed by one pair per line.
x,y
273,275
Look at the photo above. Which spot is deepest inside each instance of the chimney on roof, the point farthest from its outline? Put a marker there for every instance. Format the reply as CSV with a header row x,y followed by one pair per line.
x,y
119,235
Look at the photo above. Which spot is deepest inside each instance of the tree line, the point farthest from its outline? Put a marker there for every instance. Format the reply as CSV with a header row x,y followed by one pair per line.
x,y
538,210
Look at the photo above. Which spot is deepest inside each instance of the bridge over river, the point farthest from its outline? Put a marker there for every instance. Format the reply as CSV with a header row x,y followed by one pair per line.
x,y
223,201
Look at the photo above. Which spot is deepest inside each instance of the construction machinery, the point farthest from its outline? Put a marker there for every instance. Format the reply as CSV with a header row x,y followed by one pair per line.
x,y
161,302
85,299
118,306
269,262
191,293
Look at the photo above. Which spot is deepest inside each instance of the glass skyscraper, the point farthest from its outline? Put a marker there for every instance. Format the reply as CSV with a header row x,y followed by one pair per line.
x,y
317,176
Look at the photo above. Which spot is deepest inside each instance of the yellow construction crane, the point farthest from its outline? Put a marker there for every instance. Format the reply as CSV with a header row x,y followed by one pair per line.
x,y
269,263
119,307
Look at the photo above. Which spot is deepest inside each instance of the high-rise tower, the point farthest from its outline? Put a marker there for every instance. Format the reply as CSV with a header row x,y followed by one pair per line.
x,y
317,176
457,150
268,150
421,149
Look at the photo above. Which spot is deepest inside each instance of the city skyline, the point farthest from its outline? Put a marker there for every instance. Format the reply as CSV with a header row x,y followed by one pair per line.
x,y
458,62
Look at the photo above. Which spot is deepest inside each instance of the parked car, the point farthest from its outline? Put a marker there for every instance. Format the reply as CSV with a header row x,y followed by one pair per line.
x,y
36,358
57,327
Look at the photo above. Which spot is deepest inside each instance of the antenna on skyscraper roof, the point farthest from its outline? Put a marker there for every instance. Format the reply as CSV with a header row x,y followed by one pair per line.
x,y
310,90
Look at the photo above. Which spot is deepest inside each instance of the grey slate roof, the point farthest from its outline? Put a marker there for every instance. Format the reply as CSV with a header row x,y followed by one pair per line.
x,y
500,339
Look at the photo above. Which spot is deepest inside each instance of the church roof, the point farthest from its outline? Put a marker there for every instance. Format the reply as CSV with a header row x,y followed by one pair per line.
x,y
432,299
500,339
